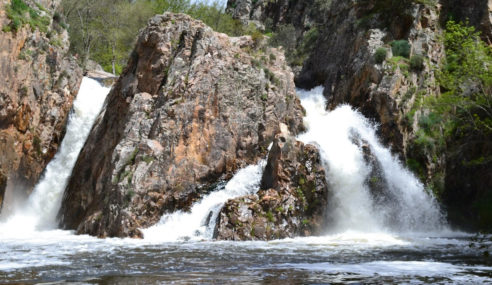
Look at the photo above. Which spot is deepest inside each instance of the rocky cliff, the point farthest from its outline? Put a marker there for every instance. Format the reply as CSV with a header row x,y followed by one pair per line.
x,y
191,107
389,90
39,81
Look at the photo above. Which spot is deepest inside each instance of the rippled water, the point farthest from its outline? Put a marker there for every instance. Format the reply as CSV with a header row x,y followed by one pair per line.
x,y
59,256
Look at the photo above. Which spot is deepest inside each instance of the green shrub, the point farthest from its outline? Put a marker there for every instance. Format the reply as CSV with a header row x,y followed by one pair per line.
x,y
401,48
20,14
257,37
417,62
380,55
284,36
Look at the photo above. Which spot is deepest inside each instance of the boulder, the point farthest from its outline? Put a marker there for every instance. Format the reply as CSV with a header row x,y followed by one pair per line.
x,y
293,199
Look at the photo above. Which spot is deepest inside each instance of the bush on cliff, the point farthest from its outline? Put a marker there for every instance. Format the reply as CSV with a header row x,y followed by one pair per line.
x,y
20,14
380,55
417,62
401,48
466,78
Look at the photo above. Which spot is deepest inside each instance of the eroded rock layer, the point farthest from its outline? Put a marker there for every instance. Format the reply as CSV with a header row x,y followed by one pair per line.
x,y
191,108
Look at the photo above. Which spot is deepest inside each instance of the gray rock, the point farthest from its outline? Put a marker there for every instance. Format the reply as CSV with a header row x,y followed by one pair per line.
x,y
293,199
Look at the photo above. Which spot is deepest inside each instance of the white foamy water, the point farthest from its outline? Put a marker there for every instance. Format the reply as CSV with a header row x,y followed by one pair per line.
x,y
409,207
199,223
40,210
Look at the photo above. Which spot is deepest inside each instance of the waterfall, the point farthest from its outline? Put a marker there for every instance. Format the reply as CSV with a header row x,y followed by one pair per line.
x,y
199,223
39,211
347,142
346,139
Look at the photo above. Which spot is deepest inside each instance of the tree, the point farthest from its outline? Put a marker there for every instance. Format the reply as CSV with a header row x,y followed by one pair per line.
x,y
105,30
466,78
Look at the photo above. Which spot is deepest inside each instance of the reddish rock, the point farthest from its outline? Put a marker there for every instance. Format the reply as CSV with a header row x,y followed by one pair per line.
x,y
38,83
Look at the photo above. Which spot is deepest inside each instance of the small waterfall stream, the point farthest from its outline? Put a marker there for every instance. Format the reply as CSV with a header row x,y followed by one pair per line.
x,y
39,211
199,223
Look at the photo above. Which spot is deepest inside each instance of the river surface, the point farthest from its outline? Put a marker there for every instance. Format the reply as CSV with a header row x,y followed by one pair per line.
x,y
60,256
397,235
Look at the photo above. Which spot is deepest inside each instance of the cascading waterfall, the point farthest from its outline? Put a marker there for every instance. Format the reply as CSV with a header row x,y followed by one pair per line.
x,y
199,223
407,207
339,135
360,248
39,211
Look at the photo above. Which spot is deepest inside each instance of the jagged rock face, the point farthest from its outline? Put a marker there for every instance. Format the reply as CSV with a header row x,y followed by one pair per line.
x,y
292,201
39,81
274,13
390,93
342,58
191,107
343,63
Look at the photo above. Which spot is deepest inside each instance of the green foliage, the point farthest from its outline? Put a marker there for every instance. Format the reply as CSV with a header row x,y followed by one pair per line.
x,y
285,36
20,14
417,62
398,62
25,54
401,48
466,78
380,55
459,120
257,37
416,167
323,5
148,159
105,30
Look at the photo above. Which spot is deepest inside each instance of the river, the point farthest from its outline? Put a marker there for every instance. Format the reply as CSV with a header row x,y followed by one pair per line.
x,y
400,239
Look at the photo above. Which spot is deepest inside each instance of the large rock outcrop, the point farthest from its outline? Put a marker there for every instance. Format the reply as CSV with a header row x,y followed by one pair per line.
x,y
293,199
38,82
191,107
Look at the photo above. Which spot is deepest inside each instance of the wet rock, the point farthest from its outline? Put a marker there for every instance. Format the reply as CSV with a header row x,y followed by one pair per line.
x,y
191,108
39,82
292,201
3,186
105,78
